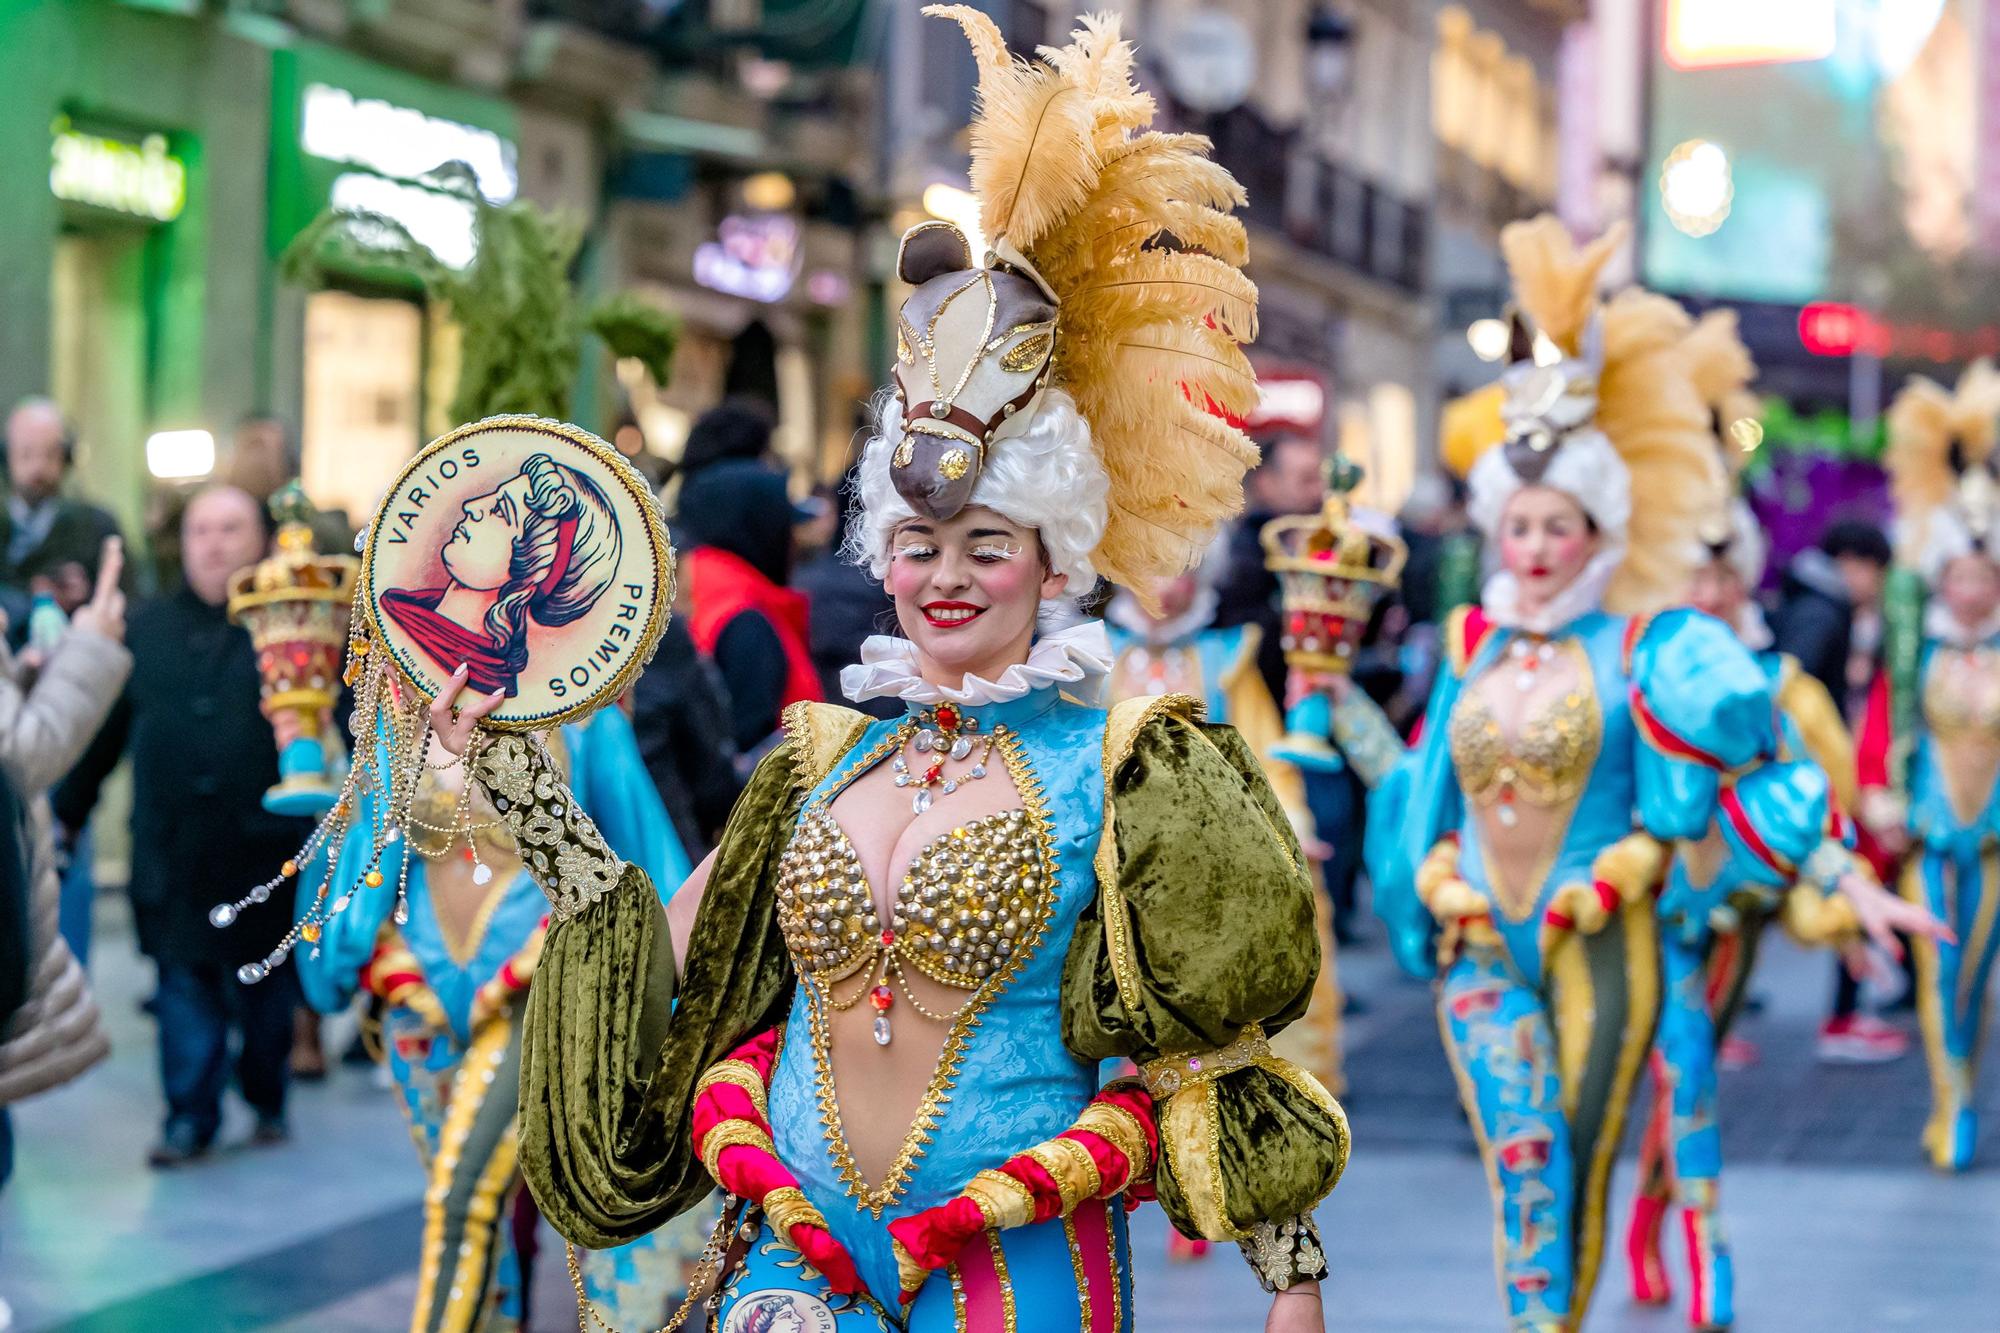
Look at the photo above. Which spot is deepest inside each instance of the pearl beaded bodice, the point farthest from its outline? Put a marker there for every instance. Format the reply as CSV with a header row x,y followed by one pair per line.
x,y
964,902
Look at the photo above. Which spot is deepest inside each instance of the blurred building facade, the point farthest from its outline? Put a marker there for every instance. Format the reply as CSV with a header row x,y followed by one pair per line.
x,y
163,153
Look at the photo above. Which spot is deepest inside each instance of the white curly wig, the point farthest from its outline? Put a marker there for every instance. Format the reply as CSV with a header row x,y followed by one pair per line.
x,y
1585,467
1048,478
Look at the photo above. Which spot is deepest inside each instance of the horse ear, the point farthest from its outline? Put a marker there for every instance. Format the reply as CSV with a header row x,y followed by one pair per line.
x,y
1520,339
1593,341
931,248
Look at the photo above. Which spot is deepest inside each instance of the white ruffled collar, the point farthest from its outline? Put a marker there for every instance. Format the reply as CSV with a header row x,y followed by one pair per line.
x,y
1501,597
1941,624
1079,656
1125,612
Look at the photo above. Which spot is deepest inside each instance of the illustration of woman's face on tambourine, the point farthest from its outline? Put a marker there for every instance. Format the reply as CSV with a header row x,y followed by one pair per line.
x,y
539,549
530,551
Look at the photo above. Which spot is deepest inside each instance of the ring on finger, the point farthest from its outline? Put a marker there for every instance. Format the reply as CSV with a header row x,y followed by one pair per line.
x,y
454,712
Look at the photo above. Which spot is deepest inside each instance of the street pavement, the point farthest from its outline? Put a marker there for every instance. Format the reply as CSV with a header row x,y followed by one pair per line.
x,y
1837,1225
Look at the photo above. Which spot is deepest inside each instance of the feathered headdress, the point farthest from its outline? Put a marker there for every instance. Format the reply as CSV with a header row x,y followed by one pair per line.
x,y
1943,464
1114,274
1723,371
1616,416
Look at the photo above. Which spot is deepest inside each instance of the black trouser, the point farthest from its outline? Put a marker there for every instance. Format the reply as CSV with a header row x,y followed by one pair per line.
x,y
199,1006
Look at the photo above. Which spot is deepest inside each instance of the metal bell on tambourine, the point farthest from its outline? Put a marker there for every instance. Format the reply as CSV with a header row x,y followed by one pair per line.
x,y
1332,572
295,605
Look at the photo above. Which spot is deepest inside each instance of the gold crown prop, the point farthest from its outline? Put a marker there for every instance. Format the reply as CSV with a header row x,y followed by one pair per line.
x,y
1331,574
295,605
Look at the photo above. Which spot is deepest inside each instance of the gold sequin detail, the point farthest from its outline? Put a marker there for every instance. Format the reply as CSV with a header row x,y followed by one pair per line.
x,y
905,451
966,900
1547,764
1028,353
557,842
953,463
1950,709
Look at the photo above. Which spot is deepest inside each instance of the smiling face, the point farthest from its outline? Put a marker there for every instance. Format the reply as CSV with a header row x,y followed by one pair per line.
x,y
481,550
1545,541
967,590
1971,590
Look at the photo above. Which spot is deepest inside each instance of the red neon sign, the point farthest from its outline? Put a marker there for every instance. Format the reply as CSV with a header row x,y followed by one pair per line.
x,y
1834,328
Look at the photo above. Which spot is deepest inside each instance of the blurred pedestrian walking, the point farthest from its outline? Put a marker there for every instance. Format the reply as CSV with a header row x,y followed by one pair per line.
x,y
735,522
202,756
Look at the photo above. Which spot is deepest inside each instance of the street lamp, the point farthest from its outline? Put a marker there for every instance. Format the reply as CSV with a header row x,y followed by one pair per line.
x,y
1330,53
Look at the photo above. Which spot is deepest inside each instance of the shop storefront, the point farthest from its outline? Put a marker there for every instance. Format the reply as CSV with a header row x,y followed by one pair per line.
x,y
769,293
361,363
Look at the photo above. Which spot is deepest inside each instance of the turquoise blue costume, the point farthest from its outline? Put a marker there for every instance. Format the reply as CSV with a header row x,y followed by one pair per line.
x,y
1712,921
1549,990
450,1031
1938,741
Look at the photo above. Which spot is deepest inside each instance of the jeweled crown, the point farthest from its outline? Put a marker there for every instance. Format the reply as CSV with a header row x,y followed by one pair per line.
x,y
1332,571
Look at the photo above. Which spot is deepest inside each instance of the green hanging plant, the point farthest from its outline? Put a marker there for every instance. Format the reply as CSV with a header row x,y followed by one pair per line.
x,y
521,331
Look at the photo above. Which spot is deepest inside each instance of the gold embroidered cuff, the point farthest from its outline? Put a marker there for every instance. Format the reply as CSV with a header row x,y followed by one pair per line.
x,y
731,1134
1170,1073
741,1075
1004,1201
1284,1254
1122,1130
557,841
787,1207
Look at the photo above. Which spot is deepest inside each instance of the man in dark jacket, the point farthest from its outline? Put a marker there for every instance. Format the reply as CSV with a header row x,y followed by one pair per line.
x,y
202,756
682,727
48,540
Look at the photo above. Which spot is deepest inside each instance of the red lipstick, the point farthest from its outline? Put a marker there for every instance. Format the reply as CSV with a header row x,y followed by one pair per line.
x,y
951,615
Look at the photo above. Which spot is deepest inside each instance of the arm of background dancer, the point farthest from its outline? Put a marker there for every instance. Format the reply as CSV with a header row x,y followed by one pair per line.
x,y
684,906
1823,734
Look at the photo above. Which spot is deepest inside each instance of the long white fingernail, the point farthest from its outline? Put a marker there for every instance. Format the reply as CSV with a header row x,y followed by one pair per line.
x,y
462,669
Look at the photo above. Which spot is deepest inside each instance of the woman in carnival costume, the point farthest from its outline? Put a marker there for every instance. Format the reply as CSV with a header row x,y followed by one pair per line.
x,y
1577,732
1711,923
875,1015
452,969
1930,739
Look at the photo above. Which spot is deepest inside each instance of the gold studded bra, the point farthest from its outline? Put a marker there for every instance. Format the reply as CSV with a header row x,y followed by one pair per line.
x,y
1953,712
967,900
1546,765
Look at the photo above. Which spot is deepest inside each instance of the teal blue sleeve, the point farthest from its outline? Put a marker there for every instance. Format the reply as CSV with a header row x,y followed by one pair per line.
x,y
1773,819
1707,709
330,970
610,781
1416,803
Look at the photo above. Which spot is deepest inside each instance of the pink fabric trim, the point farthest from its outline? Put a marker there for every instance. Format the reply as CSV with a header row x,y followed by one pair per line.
x,y
985,1307
1093,1242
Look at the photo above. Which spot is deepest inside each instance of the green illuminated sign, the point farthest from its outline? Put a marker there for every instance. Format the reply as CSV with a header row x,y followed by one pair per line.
x,y
141,179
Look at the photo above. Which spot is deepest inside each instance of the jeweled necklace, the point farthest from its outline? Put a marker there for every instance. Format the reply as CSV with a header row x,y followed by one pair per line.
x,y
1529,659
943,733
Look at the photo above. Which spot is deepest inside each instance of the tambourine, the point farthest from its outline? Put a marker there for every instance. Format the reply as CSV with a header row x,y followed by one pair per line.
x,y
532,552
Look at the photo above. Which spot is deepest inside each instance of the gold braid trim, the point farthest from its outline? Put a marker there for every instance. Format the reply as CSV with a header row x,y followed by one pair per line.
x,y
1122,1130
787,1207
741,1075
731,1134
1004,1201
820,734
1170,1073
1072,1168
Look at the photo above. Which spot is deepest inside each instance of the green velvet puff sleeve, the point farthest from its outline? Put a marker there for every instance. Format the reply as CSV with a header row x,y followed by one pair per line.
x,y
1201,944
613,1042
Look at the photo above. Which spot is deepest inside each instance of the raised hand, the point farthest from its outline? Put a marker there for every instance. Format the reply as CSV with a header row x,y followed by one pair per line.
x,y
452,722
1883,914
104,613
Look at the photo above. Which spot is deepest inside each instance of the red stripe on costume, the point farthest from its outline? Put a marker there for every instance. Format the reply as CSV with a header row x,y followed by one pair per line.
x,y
1871,747
1739,821
985,1302
1664,740
1036,1179
1092,1223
